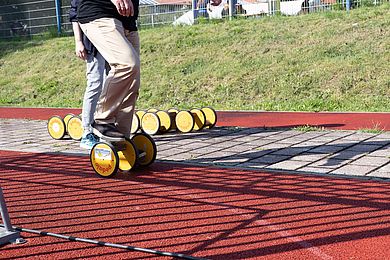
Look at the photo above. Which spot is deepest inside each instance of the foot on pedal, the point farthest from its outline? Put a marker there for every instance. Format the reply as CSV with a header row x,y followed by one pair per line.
x,y
107,132
88,141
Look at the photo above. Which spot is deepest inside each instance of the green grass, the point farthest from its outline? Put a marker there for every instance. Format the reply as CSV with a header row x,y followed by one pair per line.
x,y
335,61
375,129
308,128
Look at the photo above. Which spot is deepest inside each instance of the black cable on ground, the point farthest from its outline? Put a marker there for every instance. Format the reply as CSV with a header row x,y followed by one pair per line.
x,y
102,243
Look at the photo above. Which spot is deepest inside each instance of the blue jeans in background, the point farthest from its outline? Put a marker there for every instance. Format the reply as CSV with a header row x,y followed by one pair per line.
x,y
96,74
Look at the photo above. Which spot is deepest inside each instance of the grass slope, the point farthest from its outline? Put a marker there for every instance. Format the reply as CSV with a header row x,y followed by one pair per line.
x,y
335,61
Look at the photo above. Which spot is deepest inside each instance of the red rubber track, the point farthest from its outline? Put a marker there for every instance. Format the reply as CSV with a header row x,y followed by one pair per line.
x,y
347,121
201,211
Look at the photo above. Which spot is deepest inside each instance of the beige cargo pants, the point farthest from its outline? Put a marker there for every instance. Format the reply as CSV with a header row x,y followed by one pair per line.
x,y
121,49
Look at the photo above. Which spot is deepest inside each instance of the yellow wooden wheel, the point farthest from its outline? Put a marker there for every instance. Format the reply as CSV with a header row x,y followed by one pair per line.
x,y
135,124
75,128
67,117
140,113
150,123
211,117
153,110
165,121
56,127
104,159
146,147
185,121
199,118
127,154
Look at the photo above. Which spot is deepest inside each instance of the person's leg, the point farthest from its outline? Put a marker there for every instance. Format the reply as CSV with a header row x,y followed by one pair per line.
x,y
95,76
126,112
108,36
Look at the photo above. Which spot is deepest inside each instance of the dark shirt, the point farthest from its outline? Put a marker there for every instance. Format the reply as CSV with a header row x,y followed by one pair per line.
x,y
89,47
90,10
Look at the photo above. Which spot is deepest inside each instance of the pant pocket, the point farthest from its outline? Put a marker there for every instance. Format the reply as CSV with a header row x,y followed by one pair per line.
x,y
105,25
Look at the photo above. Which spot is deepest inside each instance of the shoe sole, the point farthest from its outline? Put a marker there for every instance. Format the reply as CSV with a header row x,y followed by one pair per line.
x,y
107,138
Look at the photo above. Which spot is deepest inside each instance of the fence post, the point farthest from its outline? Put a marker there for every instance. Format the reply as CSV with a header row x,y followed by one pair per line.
x,y
7,234
231,9
277,7
58,15
194,9
270,7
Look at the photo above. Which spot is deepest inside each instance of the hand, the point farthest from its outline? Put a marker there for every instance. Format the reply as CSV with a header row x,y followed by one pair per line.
x,y
124,7
80,50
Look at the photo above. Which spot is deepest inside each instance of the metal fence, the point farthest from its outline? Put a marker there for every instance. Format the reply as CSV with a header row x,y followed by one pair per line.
x,y
161,14
19,18
32,17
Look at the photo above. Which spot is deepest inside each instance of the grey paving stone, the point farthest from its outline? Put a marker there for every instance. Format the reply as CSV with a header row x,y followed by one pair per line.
x,y
287,165
308,144
313,134
371,161
375,142
383,151
35,150
324,139
347,155
308,157
338,133
269,159
357,136
329,163
379,139
246,138
216,155
263,133
291,151
385,135
254,153
287,133
315,169
380,174
240,148
326,149
255,165
274,146
197,146
185,142
165,147
249,131
260,142
171,151
384,168
230,161
358,170
273,138
363,147
224,144
208,149
343,143
221,139
293,140
180,157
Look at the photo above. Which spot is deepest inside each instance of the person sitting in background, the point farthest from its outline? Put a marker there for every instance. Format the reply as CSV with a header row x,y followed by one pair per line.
x,y
216,9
